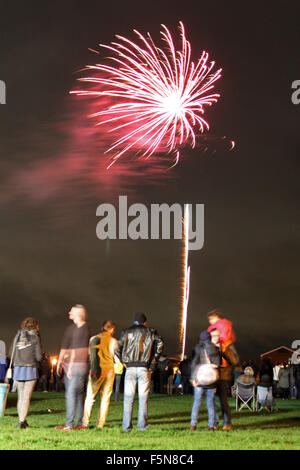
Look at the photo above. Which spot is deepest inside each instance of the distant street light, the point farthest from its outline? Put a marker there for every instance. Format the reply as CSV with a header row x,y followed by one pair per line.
x,y
53,364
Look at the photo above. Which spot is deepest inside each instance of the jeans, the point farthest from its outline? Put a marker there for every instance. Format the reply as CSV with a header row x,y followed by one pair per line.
x,y
44,382
118,378
265,396
185,384
298,389
74,397
58,383
222,391
293,390
275,386
285,393
136,376
210,404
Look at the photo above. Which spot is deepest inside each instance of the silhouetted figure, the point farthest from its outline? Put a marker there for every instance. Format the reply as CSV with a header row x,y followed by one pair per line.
x,y
276,370
119,369
266,371
45,373
284,381
185,370
3,361
165,369
58,380
297,377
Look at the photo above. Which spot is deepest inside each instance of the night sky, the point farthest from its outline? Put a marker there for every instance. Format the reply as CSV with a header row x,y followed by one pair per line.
x,y
53,176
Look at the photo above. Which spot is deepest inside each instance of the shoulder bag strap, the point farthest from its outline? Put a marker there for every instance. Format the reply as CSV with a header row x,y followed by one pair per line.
x,y
207,356
14,349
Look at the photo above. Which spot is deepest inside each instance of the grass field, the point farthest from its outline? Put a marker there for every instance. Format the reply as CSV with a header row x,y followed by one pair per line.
x,y
168,427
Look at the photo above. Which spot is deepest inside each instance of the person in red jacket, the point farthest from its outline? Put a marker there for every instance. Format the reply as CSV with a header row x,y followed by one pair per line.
x,y
229,359
227,334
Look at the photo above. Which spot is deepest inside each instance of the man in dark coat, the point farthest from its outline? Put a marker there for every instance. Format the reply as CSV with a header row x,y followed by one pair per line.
x,y
45,372
185,371
164,368
140,349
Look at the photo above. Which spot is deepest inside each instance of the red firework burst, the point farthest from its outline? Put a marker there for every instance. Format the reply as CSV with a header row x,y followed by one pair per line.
x,y
156,97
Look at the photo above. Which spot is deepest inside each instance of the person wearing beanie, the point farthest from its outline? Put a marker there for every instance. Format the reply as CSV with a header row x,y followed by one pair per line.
x,y
205,336
140,348
230,359
205,354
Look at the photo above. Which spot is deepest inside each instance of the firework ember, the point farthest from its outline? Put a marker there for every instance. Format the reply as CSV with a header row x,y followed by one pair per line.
x,y
152,99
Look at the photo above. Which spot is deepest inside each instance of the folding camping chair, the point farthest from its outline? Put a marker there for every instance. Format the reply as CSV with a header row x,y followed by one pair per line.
x,y
264,399
245,393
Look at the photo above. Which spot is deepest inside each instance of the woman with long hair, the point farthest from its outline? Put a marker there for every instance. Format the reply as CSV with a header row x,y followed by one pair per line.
x,y
103,348
26,355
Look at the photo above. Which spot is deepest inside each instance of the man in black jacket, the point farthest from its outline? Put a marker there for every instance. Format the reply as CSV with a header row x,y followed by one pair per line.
x,y
165,369
139,350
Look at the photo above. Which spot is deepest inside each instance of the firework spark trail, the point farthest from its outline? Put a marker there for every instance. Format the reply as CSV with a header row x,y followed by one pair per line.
x,y
161,94
186,282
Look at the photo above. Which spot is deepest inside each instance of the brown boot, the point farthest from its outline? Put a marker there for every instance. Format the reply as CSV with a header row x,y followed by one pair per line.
x,y
227,428
193,428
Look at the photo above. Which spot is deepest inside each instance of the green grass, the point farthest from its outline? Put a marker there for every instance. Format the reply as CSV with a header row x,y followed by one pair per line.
x,y
168,427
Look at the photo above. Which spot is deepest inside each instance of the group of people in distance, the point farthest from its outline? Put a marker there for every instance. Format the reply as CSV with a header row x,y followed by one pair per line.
x,y
98,359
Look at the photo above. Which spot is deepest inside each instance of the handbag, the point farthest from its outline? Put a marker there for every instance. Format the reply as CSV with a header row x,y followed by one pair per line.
x,y
8,375
207,374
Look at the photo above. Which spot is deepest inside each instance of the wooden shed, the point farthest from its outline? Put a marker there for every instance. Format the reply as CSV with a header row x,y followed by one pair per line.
x,y
280,354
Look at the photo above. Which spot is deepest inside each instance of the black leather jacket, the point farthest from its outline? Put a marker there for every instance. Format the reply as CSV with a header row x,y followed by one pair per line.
x,y
140,346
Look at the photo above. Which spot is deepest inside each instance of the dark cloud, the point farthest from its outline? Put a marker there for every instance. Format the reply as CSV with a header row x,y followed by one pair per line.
x,y
53,177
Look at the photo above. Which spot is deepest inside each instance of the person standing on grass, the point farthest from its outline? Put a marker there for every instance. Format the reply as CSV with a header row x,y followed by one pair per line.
x,y
140,349
230,359
103,348
185,370
165,369
297,376
119,368
74,361
3,361
45,372
284,381
204,353
26,355
276,370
